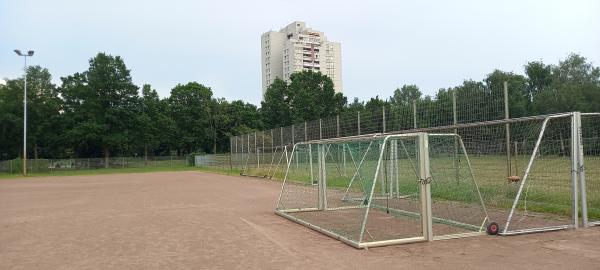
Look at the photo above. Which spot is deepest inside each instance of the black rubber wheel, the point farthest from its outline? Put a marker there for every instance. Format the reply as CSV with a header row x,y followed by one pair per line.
x,y
492,228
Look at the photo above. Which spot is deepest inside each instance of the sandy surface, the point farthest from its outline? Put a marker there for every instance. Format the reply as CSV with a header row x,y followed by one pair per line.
x,y
192,220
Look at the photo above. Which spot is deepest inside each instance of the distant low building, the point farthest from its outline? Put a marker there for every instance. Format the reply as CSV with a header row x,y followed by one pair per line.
x,y
296,48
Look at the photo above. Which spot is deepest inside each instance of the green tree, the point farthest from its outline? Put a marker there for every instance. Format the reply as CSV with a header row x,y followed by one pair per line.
x,y
42,113
154,123
230,119
575,86
100,107
190,106
405,95
539,78
309,95
275,107
518,95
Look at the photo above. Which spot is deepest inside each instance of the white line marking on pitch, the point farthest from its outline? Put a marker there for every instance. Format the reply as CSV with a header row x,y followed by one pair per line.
x,y
260,230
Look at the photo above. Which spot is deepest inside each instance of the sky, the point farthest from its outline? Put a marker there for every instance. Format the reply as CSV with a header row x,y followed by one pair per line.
x,y
385,44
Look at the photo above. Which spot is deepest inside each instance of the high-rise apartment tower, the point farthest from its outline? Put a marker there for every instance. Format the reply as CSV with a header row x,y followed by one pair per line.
x,y
296,48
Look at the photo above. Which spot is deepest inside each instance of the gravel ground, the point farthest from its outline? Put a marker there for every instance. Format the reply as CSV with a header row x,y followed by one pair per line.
x,y
193,220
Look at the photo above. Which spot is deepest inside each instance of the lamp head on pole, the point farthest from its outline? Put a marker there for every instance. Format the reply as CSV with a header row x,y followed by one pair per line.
x,y
29,53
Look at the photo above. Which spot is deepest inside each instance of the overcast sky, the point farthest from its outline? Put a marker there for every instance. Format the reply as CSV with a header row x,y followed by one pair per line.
x,y
385,44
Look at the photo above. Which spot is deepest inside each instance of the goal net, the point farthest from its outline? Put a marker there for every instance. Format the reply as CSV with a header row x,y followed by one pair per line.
x,y
384,189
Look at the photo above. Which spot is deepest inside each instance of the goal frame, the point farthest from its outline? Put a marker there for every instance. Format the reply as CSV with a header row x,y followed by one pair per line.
x,y
425,215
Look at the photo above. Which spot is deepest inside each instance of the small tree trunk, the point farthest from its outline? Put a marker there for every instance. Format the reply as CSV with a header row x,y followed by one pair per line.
x,y
106,155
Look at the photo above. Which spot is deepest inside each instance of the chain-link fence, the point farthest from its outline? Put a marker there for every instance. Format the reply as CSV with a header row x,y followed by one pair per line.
x,y
466,105
15,166
530,173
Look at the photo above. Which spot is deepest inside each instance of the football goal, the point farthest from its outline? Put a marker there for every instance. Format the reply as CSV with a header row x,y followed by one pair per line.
x,y
393,189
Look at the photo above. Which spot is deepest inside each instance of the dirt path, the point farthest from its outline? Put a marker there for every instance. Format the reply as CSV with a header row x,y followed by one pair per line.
x,y
191,220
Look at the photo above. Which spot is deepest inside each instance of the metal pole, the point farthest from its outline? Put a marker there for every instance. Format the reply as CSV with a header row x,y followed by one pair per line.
x,y
236,149
516,158
25,120
337,121
506,116
415,114
383,117
322,185
305,135
320,129
425,178
581,171
257,152
293,142
574,170
337,124
455,121
358,119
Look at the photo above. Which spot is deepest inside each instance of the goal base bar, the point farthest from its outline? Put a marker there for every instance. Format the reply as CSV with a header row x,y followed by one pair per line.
x,y
537,230
351,242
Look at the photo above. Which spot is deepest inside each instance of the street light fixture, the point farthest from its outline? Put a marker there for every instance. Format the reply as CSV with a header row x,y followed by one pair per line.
x,y
30,54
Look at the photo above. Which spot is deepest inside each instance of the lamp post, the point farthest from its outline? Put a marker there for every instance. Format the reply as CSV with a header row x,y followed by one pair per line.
x,y
29,53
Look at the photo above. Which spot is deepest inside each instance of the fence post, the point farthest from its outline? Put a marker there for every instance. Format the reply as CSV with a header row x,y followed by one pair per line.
x,y
281,136
293,142
170,161
415,114
320,129
383,117
455,122
337,125
305,134
51,169
11,166
256,150
123,162
272,146
88,163
506,116
358,121
337,134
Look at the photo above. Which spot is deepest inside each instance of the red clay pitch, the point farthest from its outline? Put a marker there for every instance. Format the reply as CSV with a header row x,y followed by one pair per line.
x,y
192,220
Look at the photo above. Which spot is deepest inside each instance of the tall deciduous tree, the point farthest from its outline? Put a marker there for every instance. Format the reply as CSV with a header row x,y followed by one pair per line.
x,y
190,106
275,109
43,110
154,123
100,107
309,95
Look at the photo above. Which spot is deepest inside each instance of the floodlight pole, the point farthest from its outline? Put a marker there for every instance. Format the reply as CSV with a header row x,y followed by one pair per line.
x,y
29,53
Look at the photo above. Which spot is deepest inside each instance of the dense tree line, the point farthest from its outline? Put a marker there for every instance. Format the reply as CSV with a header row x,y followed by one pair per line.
x,y
100,112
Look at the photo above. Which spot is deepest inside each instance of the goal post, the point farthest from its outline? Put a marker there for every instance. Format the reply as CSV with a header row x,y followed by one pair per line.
x,y
387,196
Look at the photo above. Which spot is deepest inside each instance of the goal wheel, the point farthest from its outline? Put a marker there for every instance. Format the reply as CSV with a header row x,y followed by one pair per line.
x,y
492,228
